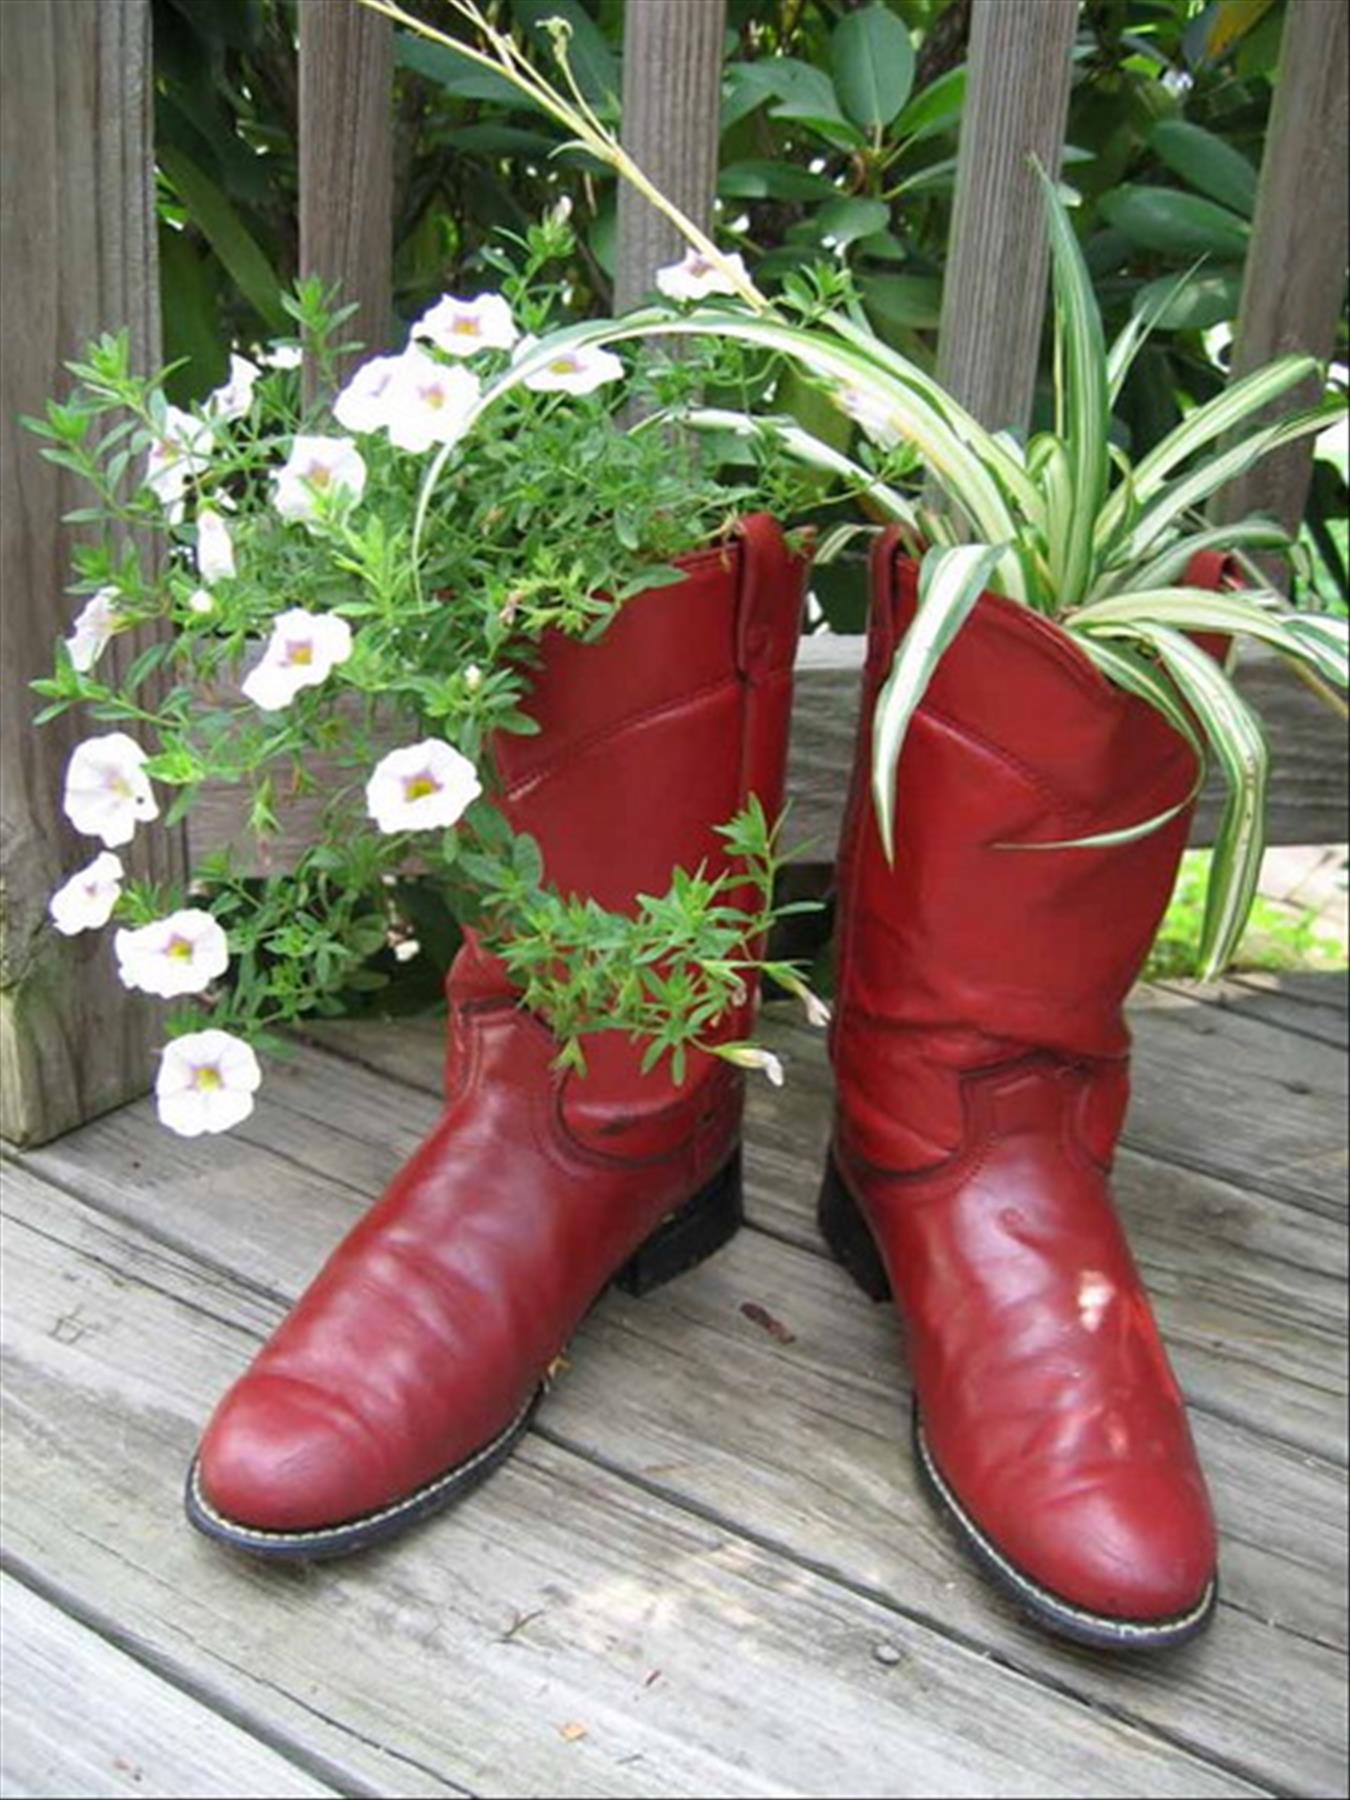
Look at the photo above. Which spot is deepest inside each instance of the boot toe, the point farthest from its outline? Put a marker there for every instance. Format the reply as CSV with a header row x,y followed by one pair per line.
x,y
282,1456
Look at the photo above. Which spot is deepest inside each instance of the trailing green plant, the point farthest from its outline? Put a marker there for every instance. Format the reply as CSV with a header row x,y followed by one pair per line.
x,y
328,626
1279,938
1066,524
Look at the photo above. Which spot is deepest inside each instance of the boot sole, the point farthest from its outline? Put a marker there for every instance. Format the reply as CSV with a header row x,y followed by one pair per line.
x,y
850,1240
688,1237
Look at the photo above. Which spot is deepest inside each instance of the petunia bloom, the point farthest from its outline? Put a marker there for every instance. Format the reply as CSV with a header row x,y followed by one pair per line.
x,y
423,787
318,465
201,601
428,403
182,954
182,450
363,404
578,371
463,327
215,548
282,356
107,790
235,397
86,901
696,276
206,1082
302,652
98,621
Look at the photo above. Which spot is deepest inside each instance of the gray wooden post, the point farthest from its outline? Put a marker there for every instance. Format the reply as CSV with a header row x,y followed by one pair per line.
x,y
347,159
994,292
1294,282
672,89
77,256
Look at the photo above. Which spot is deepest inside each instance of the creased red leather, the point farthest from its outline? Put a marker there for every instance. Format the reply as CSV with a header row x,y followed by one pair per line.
x,y
981,1055
435,1321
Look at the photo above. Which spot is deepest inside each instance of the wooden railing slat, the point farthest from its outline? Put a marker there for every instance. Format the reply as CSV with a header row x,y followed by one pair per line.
x,y
77,256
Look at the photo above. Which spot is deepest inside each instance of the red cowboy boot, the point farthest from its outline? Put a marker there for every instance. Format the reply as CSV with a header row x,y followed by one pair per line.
x,y
413,1363
981,1056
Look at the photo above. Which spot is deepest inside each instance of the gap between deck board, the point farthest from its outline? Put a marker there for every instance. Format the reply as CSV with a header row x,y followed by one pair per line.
x,y
981,1602
942,1722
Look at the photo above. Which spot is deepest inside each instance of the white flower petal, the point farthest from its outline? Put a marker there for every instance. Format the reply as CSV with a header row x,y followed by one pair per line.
x,y
182,954
423,787
182,450
363,403
464,327
206,1082
302,652
107,792
215,547
318,465
695,276
578,371
428,403
98,621
86,901
235,398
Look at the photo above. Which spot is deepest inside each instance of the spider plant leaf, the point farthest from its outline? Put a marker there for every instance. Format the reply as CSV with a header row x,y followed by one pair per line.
x,y
1193,489
1056,480
798,443
954,466
1239,747
1318,641
1325,642
1162,569
950,583
1203,426
1140,327
1081,386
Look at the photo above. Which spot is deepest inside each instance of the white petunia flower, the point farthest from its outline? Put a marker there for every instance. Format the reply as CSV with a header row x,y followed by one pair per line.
x,y
463,327
235,398
578,371
201,601
206,1083
107,790
302,652
751,1056
282,356
182,450
215,549
182,954
98,621
428,403
876,420
696,276
421,788
318,465
363,405
86,901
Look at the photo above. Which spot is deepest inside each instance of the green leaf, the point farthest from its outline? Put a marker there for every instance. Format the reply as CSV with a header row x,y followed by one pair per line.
x,y
845,220
1194,303
1176,224
456,74
1163,569
935,108
225,232
913,301
1209,163
756,180
873,62
1082,400
950,583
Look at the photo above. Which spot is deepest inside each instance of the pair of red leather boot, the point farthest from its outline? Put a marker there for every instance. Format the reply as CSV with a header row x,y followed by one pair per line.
x,y
981,1062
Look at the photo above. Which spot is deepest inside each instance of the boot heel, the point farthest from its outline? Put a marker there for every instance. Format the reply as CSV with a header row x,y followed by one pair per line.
x,y
701,1227
845,1232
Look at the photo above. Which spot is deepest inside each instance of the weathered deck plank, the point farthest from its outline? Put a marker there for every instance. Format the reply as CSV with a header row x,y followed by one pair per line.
x,y
798,1448
578,1632
136,1734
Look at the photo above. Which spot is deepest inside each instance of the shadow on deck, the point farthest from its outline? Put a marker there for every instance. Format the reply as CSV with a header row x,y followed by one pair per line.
x,y
709,1570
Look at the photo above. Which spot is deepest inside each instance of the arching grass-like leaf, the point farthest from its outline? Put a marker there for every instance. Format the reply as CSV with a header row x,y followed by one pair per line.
x,y
1247,613
1139,328
950,583
1162,569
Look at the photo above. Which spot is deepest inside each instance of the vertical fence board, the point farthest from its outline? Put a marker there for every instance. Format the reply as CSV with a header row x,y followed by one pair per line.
x,y
1294,283
77,255
672,96
347,158
994,292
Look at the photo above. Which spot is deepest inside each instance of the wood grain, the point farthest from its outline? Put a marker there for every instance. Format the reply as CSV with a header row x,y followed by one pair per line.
x,y
672,97
1293,286
77,257
994,290
136,1733
580,1634
347,160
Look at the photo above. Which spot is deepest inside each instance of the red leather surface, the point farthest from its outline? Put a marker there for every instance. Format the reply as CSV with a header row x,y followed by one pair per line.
x,y
435,1320
981,1058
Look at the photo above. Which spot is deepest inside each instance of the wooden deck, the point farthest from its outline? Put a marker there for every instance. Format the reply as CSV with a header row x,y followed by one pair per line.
x,y
708,1571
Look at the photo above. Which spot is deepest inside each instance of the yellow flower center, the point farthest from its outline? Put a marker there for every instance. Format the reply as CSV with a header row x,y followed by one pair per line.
x,y
318,475
207,1079
563,365
179,948
466,327
417,787
299,653
433,397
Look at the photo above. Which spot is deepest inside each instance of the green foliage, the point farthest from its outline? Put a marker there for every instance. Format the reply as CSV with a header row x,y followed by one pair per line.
x,y
1278,938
